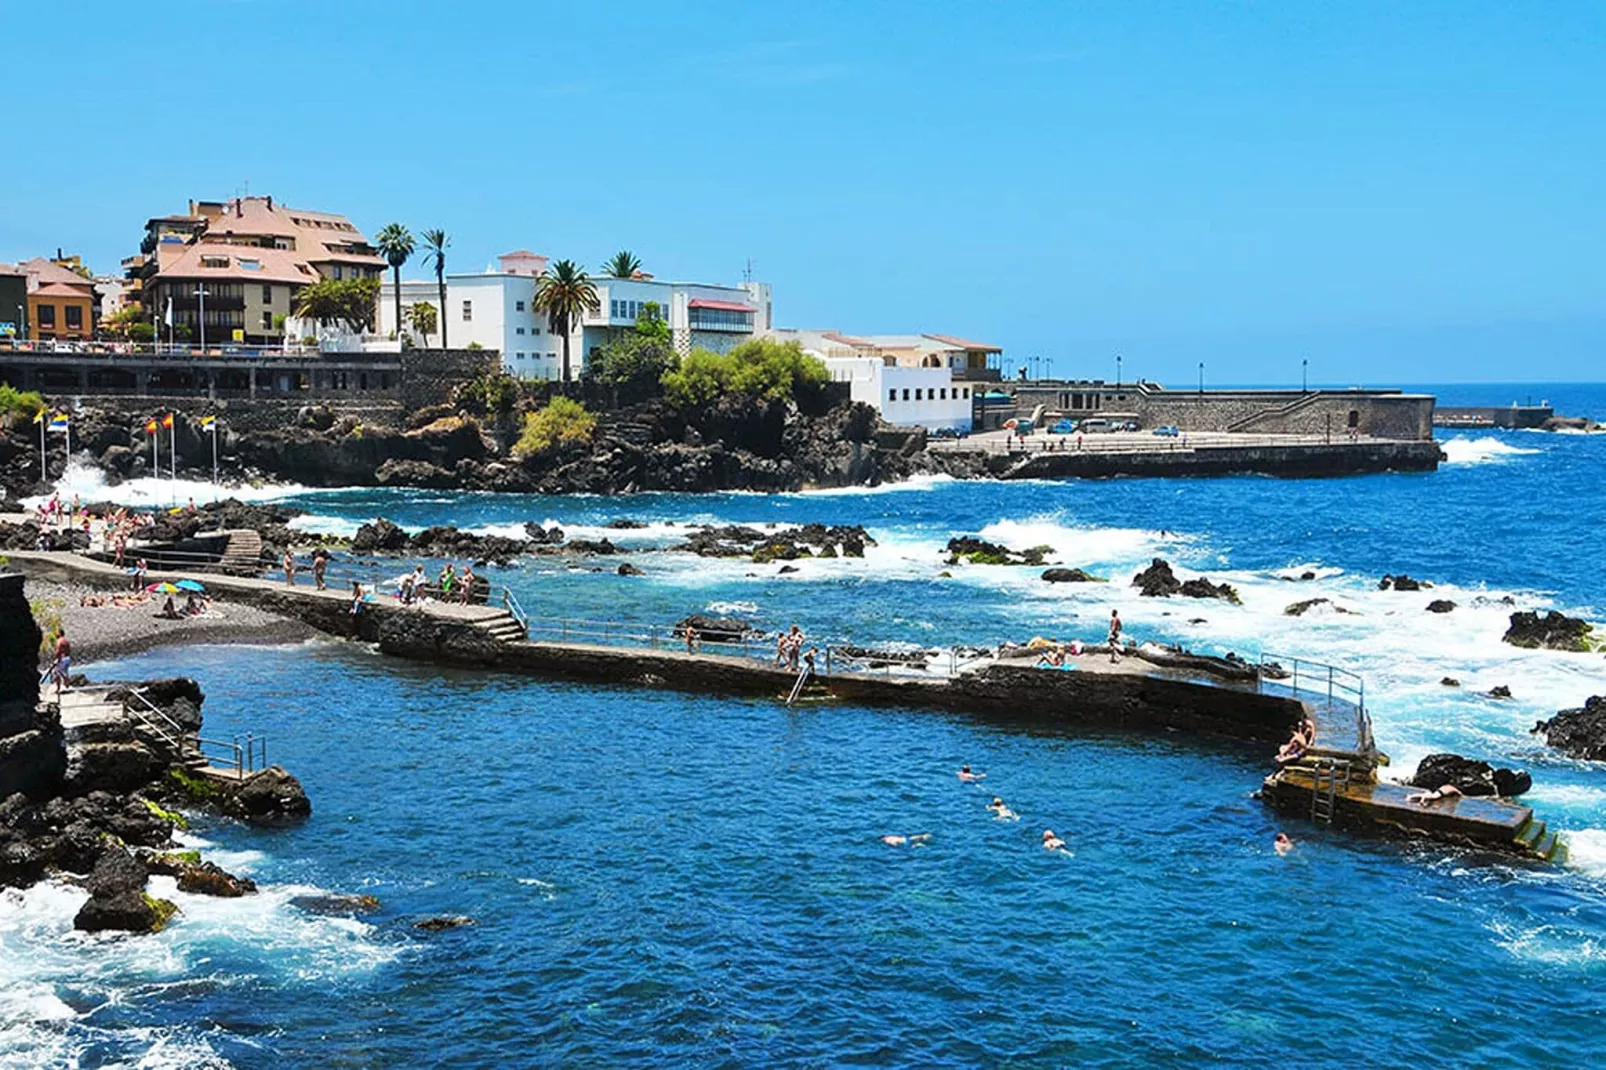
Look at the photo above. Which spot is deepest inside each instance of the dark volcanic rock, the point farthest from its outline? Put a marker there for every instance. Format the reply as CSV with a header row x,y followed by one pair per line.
x,y
1500,691
335,904
1299,609
272,797
1580,732
981,552
627,569
716,629
1068,575
591,546
448,921
1553,631
1401,583
207,878
380,536
1157,581
1472,777
1450,681
552,536
111,767
1440,605
117,898
1203,588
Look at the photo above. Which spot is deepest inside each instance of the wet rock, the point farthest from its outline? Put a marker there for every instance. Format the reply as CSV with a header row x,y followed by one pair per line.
x,y
784,569
1500,691
625,524
591,546
627,569
207,878
1200,587
552,536
1553,631
1068,575
1440,605
133,912
1471,776
1579,732
1157,581
1299,609
716,629
448,921
271,797
1401,583
120,767
336,904
402,473
968,548
1450,681
379,536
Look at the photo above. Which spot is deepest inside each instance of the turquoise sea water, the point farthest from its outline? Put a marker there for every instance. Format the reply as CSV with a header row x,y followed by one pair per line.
x,y
661,878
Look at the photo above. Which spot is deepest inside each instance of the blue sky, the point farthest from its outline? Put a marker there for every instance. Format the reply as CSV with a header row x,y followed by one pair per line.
x,y
1398,192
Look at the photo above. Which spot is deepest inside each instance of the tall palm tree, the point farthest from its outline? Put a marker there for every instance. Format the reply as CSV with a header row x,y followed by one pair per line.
x,y
565,293
435,243
622,265
397,245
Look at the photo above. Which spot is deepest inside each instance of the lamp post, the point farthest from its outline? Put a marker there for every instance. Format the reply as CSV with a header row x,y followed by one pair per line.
x,y
22,321
1201,377
200,316
1118,369
1304,376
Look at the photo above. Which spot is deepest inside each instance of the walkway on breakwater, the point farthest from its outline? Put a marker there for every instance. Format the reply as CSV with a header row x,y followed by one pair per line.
x,y
1104,455
1149,689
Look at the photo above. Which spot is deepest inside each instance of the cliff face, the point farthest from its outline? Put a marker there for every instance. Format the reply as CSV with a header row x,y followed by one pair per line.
x,y
32,758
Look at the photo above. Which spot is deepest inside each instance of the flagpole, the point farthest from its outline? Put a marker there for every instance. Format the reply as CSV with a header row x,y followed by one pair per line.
x,y
156,469
213,429
44,473
172,453
67,458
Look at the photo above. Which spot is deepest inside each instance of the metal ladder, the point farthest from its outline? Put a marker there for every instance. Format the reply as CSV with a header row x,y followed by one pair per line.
x,y
1329,776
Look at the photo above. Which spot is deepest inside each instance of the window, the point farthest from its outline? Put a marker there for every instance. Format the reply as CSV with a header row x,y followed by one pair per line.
x,y
267,320
214,261
518,306
906,393
943,392
47,315
520,330
917,393
468,311
892,395
267,295
75,317
337,271
967,393
535,330
613,309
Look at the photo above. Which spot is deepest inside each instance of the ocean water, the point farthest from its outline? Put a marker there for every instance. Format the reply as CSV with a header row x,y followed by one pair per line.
x,y
662,878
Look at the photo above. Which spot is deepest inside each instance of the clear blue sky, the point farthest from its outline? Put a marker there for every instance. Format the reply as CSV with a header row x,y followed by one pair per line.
x,y
1399,192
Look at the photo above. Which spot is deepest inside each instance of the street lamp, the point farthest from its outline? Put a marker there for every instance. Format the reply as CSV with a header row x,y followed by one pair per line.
x,y
200,318
1118,369
1201,377
1304,376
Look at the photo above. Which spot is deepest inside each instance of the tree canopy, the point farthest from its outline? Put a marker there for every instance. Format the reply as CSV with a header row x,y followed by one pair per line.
x,y
345,301
759,367
622,265
395,242
563,421
565,293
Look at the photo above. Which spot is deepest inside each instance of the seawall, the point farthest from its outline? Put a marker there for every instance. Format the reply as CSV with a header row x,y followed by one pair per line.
x,y
1294,460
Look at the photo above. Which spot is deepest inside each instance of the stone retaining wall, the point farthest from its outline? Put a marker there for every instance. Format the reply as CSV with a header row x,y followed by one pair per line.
x,y
429,376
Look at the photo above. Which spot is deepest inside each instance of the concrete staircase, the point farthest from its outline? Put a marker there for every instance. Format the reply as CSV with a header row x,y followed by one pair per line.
x,y
1278,412
1545,844
504,627
631,431
242,556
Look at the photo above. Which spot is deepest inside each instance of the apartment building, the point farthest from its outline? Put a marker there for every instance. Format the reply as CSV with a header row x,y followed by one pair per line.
x,y
59,303
232,269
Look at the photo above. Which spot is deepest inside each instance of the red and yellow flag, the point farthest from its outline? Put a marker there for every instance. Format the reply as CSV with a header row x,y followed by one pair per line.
x,y
150,426
167,422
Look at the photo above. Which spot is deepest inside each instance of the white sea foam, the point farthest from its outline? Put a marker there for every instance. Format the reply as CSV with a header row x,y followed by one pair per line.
x,y
728,608
316,524
1485,450
1079,545
89,483
915,484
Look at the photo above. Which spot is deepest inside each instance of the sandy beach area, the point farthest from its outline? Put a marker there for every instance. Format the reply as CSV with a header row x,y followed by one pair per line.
x,y
106,631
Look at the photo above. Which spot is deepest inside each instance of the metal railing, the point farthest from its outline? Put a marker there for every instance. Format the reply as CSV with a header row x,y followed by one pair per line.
x,y
1306,679
1103,443
244,758
183,351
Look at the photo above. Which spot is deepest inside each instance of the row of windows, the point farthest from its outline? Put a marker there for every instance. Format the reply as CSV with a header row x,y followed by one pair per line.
x,y
354,272
537,356
533,330
961,393
630,310
46,315
715,318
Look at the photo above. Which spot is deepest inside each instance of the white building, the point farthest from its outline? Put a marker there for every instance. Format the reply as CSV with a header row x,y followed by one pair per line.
x,y
909,397
496,310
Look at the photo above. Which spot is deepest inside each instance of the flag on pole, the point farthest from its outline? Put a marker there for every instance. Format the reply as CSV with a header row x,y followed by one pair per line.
x,y
209,423
58,422
39,417
167,422
168,319
150,426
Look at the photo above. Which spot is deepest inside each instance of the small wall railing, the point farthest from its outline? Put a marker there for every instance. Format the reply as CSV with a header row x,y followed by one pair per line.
x,y
242,757
1339,690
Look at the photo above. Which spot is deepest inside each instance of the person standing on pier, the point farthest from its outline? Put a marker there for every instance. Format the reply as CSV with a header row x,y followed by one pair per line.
x,y
63,663
466,585
1115,636
320,564
289,569
139,574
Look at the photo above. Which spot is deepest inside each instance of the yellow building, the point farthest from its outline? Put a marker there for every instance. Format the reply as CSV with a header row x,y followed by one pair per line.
x,y
61,302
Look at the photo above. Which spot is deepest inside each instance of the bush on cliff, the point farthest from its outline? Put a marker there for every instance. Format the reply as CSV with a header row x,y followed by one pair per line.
x,y
762,368
18,407
495,395
562,422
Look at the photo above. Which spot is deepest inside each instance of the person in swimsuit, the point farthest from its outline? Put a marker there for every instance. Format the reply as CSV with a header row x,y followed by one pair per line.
x,y
63,663
1052,842
968,777
1002,812
1448,791
1115,636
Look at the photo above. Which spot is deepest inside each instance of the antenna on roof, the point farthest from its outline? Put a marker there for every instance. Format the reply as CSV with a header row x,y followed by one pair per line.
x,y
747,272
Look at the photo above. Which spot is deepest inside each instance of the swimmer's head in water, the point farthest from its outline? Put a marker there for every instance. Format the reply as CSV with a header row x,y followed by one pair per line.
x,y
1048,834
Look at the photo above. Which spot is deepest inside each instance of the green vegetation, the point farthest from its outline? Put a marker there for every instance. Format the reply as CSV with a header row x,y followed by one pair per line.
x,y
495,394
141,332
634,363
563,421
622,265
435,243
47,614
121,323
162,908
18,407
396,244
180,858
347,301
761,367
198,788
422,316
564,292
171,817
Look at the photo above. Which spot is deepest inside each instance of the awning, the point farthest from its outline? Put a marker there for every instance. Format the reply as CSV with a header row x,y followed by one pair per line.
x,y
727,306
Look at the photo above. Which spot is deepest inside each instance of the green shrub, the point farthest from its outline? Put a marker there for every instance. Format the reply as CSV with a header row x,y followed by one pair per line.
x,y
563,421
47,614
760,367
17,406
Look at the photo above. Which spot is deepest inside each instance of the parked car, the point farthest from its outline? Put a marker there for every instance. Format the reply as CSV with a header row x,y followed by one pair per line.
x,y
1129,425
1094,424
1063,427
1167,431
946,432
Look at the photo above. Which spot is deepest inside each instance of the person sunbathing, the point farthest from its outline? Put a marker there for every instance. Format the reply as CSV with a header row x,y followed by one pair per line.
x,y
1448,791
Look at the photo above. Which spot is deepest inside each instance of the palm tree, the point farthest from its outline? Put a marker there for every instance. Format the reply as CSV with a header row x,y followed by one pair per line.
x,y
422,316
397,245
622,265
565,293
435,243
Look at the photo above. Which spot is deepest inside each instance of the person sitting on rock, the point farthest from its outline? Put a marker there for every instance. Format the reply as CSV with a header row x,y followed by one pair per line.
x,y
1447,791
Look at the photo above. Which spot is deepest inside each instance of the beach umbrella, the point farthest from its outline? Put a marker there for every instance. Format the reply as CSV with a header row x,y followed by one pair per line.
x,y
190,585
161,588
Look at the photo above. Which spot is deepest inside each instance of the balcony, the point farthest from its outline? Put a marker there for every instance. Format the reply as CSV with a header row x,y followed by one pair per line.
x,y
185,302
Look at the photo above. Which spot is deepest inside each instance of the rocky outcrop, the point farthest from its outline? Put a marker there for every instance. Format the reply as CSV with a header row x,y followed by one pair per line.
x,y
1158,581
1401,582
271,797
1299,609
1068,575
1580,732
969,549
715,629
32,758
117,898
447,921
442,541
1471,776
1440,605
336,904
776,544
1553,631
627,569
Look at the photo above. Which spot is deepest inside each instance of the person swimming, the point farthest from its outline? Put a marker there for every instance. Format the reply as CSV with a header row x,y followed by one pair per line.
x,y
918,839
1052,842
968,777
1282,844
1002,812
